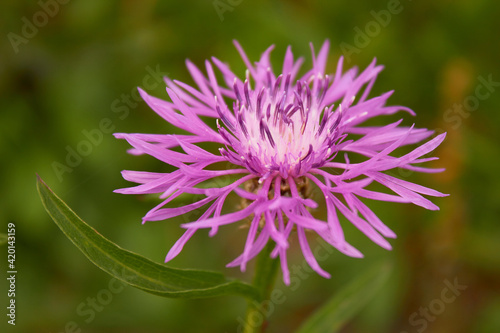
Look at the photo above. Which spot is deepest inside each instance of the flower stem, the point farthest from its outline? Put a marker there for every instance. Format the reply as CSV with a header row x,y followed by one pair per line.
x,y
265,274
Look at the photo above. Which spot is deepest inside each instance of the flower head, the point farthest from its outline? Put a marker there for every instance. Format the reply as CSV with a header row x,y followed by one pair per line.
x,y
281,136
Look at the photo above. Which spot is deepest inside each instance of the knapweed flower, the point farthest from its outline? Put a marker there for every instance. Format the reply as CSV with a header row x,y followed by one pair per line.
x,y
281,137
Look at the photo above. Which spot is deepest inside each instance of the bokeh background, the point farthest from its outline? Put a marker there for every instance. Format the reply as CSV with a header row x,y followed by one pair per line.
x,y
83,63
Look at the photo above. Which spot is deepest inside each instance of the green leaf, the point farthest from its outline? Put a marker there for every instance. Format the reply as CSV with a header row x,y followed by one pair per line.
x,y
347,302
134,269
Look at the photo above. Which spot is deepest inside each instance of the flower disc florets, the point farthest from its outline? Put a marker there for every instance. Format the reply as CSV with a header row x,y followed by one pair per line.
x,y
282,127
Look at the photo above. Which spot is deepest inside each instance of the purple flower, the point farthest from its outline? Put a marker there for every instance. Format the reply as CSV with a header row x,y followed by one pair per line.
x,y
281,137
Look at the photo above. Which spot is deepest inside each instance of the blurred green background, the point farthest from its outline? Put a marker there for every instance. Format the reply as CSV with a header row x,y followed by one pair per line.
x,y
85,59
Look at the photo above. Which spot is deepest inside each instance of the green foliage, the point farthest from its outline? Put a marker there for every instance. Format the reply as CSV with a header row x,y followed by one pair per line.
x,y
134,269
347,302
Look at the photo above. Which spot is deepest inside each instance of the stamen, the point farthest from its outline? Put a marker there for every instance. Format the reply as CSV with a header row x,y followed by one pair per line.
x,y
309,97
223,117
301,105
231,156
270,137
309,152
293,110
279,107
237,91
276,85
337,120
324,89
303,128
323,121
247,94
288,107
223,133
269,77
282,102
262,131
299,87
242,122
287,82
259,102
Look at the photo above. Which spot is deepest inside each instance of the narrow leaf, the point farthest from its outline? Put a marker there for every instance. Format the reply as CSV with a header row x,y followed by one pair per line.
x,y
347,302
134,269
